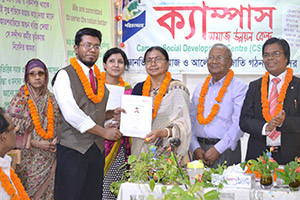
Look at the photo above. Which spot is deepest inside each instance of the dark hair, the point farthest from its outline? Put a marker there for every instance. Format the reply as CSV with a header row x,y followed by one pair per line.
x,y
116,50
158,48
283,43
87,31
3,122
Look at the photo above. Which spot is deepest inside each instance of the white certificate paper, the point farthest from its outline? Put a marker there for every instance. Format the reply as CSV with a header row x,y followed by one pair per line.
x,y
136,122
115,96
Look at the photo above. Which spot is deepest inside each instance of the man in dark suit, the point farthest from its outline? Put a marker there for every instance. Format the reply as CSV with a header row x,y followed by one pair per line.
x,y
270,113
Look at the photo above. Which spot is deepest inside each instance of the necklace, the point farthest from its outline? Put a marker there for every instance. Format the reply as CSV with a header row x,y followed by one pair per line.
x,y
121,81
161,93
86,84
36,120
9,187
216,106
281,96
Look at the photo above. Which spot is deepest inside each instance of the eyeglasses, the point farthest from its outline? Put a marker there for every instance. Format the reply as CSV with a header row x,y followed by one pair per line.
x,y
33,74
218,58
157,60
275,54
89,46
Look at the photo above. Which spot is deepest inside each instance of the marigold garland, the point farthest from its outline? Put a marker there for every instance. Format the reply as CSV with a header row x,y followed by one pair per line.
x,y
86,83
216,106
36,120
161,93
121,81
281,96
9,188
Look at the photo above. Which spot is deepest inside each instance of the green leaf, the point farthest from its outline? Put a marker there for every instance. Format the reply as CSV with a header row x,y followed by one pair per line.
x,y
195,188
131,159
150,197
211,195
243,165
164,188
152,184
176,189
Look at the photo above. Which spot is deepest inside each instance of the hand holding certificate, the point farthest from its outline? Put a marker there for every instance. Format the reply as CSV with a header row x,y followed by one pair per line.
x,y
138,118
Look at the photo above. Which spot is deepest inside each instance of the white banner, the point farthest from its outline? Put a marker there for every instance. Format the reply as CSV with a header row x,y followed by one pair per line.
x,y
187,30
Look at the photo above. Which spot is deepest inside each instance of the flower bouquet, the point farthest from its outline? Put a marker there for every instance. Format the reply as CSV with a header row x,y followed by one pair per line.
x,y
291,174
264,165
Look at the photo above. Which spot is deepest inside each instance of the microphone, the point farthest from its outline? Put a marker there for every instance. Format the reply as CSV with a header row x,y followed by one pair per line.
x,y
175,141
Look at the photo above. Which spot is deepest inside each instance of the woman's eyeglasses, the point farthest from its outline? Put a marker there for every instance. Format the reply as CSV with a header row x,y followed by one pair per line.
x,y
157,60
40,74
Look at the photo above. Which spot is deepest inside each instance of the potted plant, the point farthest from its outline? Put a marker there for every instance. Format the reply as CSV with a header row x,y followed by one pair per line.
x,y
192,193
150,168
291,174
265,165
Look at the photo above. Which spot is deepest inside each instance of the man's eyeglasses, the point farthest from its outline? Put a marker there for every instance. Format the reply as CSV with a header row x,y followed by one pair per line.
x,y
275,54
89,46
218,58
40,74
157,60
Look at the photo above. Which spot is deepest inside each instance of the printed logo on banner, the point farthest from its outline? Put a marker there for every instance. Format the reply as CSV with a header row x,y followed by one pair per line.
x,y
134,18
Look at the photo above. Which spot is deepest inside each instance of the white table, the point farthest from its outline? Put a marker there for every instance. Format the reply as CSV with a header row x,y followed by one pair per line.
x,y
143,190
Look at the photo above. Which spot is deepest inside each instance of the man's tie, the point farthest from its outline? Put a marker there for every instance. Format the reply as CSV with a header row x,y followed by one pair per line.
x,y
273,103
92,81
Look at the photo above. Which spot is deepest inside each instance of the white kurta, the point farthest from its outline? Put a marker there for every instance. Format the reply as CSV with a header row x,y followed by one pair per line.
x,y
5,164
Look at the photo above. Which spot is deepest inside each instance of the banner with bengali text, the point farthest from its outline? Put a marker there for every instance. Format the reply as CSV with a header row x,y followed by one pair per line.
x,y
44,29
187,30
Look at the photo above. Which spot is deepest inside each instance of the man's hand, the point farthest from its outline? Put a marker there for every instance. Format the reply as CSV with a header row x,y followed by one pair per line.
x,y
199,154
116,113
112,134
279,118
276,121
211,155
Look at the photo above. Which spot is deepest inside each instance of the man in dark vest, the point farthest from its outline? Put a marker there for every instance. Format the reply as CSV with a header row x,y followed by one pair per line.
x,y
82,98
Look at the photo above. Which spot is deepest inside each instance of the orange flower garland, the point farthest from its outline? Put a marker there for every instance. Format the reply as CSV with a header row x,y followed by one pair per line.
x,y
281,96
36,120
161,93
216,106
86,83
121,81
9,188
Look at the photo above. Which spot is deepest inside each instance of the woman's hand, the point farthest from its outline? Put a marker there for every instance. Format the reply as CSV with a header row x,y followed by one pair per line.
x,y
45,145
153,135
116,114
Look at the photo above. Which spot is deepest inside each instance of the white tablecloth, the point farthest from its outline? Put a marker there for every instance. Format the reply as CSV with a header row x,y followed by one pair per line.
x,y
141,191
